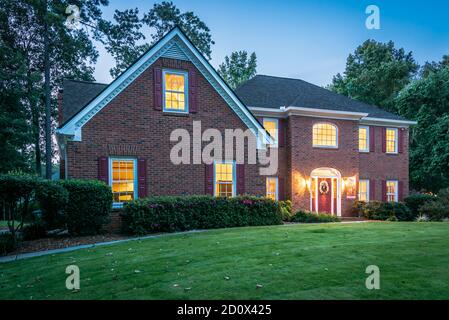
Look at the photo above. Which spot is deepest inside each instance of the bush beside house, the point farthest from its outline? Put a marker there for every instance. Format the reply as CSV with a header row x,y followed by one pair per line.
x,y
169,214
311,217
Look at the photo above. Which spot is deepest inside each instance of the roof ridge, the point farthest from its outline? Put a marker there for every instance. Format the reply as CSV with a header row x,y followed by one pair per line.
x,y
86,81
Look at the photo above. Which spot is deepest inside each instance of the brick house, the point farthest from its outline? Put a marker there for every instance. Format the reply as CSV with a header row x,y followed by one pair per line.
x,y
331,150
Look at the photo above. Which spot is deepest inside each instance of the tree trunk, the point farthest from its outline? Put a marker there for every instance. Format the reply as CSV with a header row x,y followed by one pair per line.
x,y
48,142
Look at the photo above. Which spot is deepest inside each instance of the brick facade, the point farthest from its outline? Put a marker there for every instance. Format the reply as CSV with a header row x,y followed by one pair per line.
x,y
130,126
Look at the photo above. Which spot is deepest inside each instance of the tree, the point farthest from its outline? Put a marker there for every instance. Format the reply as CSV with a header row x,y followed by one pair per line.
x,y
37,31
375,73
238,68
426,100
125,37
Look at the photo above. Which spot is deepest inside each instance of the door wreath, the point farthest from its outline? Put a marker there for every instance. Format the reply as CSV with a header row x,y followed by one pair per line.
x,y
324,187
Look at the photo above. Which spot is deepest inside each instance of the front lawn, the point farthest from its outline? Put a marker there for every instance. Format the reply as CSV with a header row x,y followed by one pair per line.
x,y
280,262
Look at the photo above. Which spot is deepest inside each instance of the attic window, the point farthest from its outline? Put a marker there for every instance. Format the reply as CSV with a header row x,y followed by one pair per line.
x,y
175,91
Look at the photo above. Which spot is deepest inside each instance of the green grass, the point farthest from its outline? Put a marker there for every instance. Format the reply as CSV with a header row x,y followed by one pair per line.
x,y
290,262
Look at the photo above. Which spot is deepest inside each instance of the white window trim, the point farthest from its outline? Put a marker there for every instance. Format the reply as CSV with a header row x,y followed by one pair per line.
x,y
395,140
234,176
396,197
336,136
186,90
136,187
367,139
276,139
367,189
277,187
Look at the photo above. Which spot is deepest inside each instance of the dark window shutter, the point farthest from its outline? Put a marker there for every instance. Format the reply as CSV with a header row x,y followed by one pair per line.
x,y
157,81
372,189
400,190
103,169
142,178
281,133
384,191
281,189
400,140
209,179
372,139
384,139
240,178
193,91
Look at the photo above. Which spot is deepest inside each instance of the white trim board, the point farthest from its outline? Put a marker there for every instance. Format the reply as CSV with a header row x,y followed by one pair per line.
x,y
73,127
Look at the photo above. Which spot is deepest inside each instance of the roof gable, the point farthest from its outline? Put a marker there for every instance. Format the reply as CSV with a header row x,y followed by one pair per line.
x,y
174,45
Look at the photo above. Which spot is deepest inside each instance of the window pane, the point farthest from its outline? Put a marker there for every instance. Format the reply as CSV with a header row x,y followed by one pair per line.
x,y
271,127
363,190
363,139
391,140
174,82
123,180
224,179
271,188
391,191
324,135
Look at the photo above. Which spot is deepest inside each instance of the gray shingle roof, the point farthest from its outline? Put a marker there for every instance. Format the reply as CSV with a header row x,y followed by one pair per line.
x,y
274,92
76,94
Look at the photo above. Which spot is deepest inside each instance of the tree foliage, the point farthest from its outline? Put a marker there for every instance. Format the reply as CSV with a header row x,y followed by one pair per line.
x,y
375,73
126,39
238,68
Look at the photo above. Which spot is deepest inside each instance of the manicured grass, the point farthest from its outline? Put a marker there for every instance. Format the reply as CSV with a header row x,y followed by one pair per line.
x,y
290,262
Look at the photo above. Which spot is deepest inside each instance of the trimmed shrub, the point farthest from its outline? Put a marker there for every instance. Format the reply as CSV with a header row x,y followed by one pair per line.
x,y
357,208
89,205
169,214
7,244
414,202
52,199
438,209
391,211
286,210
35,230
310,217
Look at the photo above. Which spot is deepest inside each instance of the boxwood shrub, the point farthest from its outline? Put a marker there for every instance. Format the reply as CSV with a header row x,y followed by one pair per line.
x,y
88,207
169,214
391,211
310,217
414,202
438,209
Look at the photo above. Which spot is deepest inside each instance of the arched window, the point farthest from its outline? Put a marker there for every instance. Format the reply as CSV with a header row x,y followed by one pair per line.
x,y
325,135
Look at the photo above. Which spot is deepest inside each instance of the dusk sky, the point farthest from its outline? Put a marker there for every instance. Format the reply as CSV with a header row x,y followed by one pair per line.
x,y
302,39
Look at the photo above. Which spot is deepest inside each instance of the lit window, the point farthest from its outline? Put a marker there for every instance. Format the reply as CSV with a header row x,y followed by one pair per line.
x,y
272,188
175,91
391,137
123,182
271,125
364,190
392,191
224,180
325,135
364,139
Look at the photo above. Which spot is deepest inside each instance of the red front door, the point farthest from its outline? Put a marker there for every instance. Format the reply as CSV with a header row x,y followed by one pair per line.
x,y
325,195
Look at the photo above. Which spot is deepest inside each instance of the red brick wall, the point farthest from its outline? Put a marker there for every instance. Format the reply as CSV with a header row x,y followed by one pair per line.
x,y
380,166
130,120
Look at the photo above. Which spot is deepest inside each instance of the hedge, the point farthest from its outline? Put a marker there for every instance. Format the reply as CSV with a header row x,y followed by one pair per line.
x,y
414,202
310,217
89,205
438,209
169,214
376,210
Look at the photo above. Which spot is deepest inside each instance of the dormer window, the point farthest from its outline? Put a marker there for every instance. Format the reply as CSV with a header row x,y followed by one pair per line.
x,y
175,91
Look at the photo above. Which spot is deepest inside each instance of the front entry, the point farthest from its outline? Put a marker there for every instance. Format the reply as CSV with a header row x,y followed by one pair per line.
x,y
325,195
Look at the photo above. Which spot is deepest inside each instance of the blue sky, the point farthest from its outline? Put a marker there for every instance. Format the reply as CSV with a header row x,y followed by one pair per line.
x,y
304,39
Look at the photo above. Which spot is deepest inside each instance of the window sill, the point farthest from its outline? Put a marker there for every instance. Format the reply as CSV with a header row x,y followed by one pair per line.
x,y
176,114
325,147
117,205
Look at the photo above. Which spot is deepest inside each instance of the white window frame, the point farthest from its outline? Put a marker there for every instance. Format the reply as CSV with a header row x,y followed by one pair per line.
x,y
367,189
136,187
234,176
186,90
395,141
324,146
367,139
396,197
276,139
277,187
